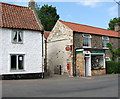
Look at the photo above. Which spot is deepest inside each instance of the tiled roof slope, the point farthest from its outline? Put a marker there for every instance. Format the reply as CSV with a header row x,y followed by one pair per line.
x,y
13,16
46,34
89,29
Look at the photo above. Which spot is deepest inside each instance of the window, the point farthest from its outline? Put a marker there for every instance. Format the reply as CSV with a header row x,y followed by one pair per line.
x,y
118,59
17,37
107,59
17,62
105,41
97,62
86,40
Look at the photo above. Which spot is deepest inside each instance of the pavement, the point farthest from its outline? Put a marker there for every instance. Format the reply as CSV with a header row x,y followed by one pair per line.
x,y
62,86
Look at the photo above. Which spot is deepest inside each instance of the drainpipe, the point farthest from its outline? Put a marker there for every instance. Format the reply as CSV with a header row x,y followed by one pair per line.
x,y
42,54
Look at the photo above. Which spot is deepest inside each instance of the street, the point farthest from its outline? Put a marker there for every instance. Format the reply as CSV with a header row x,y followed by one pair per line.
x,y
59,86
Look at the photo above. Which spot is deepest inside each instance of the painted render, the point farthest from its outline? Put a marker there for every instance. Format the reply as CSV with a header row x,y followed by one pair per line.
x,y
59,38
31,48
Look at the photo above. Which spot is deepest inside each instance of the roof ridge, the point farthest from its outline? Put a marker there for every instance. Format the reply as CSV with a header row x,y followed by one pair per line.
x,y
13,5
87,26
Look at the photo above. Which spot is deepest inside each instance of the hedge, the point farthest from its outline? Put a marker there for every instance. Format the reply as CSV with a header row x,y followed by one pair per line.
x,y
112,67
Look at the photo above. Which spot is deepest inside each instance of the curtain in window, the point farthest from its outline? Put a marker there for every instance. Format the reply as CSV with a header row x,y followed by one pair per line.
x,y
15,36
20,37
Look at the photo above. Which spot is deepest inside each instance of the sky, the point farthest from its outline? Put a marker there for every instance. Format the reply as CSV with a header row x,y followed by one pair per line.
x,y
88,12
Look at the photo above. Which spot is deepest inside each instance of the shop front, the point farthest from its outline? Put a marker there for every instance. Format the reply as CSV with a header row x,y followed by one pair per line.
x,y
90,63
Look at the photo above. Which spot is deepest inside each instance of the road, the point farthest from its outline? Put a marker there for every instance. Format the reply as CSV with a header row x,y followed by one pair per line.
x,y
59,86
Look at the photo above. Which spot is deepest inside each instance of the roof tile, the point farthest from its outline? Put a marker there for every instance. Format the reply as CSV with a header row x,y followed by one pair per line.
x,y
14,16
89,29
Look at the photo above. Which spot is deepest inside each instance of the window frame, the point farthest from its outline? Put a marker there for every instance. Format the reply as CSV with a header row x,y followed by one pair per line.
x,y
118,59
107,58
89,39
13,35
17,62
105,47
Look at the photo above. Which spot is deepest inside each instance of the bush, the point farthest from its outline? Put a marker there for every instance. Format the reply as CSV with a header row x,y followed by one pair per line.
x,y
112,67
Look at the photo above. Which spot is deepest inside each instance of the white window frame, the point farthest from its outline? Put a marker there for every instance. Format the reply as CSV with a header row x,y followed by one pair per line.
x,y
107,58
118,59
17,67
103,58
105,41
13,35
89,40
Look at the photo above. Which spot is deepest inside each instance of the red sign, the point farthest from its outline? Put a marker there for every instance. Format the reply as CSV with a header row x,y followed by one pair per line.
x,y
67,48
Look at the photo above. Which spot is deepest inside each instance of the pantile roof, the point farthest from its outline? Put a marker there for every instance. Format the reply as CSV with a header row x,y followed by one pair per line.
x,y
19,17
89,29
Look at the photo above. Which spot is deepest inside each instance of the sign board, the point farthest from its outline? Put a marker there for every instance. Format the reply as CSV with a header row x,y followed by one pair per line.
x,y
67,48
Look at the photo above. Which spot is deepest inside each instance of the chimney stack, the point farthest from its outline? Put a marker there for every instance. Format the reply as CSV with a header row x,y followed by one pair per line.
x,y
117,27
32,4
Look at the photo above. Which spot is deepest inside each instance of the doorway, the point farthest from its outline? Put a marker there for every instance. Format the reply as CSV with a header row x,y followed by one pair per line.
x,y
87,65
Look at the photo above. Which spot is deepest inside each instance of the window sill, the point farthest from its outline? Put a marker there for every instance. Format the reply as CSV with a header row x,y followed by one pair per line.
x,y
17,43
17,70
105,48
86,47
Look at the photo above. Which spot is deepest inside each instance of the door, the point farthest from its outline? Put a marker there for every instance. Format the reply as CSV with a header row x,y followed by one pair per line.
x,y
87,65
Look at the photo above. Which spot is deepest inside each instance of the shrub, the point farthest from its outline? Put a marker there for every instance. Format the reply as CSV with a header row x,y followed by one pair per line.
x,y
112,67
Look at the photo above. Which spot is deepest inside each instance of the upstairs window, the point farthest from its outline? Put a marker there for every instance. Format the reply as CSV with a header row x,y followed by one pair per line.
x,y
105,41
86,40
17,37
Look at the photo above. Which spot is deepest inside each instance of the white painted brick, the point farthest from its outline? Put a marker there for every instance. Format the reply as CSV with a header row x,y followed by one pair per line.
x,y
31,47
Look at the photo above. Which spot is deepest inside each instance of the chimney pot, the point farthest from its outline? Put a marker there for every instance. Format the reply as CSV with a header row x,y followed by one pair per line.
x,y
117,26
32,4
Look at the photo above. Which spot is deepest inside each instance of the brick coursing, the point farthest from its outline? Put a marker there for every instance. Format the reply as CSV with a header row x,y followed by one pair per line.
x,y
96,41
115,44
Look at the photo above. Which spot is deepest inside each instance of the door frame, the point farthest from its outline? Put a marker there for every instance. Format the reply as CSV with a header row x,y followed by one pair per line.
x,y
89,56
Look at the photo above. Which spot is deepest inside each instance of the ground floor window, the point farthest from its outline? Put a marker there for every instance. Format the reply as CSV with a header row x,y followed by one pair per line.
x,y
97,62
17,62
107,59
118,59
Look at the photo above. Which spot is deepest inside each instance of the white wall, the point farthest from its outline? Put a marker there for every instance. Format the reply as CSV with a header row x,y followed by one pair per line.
x,y
31,47
57,55
0,51
59,37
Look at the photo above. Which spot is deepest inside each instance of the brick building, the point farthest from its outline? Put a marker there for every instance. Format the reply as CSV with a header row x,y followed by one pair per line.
x,y
87,48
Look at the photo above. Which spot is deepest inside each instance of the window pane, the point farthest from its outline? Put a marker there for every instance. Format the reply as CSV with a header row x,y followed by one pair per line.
x,y
86,35
13,62
86,42
15,37
20,62
118,59
20,37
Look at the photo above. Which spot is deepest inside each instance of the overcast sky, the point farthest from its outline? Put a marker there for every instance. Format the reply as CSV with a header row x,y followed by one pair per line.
x,y
88,12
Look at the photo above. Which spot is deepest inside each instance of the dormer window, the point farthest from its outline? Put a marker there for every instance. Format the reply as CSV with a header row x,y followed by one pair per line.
x,y
86,41
105,41
17,37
